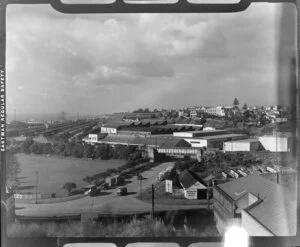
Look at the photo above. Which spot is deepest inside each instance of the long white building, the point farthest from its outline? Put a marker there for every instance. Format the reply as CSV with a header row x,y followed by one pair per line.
x,y
282,142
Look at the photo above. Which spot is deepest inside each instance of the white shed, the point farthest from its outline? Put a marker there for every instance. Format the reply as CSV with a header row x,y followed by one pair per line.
x,y
242,145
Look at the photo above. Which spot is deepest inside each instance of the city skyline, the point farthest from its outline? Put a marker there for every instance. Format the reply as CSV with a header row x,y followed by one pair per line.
x,y
116,63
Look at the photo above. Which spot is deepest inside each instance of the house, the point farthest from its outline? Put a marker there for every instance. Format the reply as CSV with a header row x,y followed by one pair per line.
x,y
193,186
114,180
261,207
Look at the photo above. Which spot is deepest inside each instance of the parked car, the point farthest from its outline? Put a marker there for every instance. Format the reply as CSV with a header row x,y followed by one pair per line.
x,y
104,186
122,191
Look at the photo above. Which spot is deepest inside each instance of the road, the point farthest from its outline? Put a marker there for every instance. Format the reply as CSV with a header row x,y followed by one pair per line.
x,y
109,203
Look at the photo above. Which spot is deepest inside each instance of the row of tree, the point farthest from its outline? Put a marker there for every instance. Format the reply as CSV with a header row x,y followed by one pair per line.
x,y
78,149
215,163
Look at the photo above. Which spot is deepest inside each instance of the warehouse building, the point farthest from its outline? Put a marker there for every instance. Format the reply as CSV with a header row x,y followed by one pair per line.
x,y
215,141
242,145
280,142
114,127
261,207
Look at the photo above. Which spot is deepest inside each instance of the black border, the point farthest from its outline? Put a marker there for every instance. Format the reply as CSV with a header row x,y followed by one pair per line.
x,y
119,6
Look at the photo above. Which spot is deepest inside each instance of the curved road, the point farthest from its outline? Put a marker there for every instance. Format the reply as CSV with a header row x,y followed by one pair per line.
x,y
109,203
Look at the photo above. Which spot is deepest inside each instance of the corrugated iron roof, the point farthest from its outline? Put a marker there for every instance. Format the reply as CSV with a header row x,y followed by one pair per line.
x,y
188,179
151,141
116,124
245,140
277,211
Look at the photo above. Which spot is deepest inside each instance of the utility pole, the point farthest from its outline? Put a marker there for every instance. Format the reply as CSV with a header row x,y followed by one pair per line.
x,y
36,186
141,186
15,115
207,193
152,202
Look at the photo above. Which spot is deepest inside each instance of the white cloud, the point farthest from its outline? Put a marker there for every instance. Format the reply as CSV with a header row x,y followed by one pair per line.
x,y
136,60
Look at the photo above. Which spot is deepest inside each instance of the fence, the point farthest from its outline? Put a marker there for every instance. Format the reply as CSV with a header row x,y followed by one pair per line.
x,y
178,193
27,197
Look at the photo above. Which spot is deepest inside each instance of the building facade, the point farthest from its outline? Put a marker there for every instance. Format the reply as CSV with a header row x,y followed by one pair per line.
x,y
261,207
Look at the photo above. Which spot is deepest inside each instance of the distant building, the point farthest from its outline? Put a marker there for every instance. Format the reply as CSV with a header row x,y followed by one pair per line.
x,y
32,123
93,137
211,138
242,145
214,141
261,207
208,128
141,116
217,111
113,127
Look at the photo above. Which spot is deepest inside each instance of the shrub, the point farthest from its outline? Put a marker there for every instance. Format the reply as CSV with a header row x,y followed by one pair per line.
x,y
23,230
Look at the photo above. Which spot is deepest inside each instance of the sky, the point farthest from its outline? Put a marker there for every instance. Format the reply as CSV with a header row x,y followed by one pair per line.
x,y
121,62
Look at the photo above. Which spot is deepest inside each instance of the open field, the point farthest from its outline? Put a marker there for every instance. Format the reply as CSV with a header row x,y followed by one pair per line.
x,y
54,171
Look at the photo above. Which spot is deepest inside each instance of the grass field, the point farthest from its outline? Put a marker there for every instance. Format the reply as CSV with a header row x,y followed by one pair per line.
x,y
54,171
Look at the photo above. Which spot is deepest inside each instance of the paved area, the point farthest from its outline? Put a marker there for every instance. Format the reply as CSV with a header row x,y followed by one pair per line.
x,y
108,203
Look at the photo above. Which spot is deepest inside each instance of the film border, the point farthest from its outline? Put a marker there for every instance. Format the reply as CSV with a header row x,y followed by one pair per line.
x,y
119,6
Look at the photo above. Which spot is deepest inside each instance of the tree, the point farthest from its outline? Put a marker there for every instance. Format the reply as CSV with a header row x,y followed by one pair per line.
x,y
37,148
88,151
236,102
69,148
245,107
59,148
25,148
69,186
47,149
77,151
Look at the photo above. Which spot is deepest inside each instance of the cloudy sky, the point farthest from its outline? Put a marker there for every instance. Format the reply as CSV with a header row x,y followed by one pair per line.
x,y
109,63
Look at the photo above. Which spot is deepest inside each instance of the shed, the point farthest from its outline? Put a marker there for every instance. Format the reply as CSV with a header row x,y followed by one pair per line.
x,y
194,187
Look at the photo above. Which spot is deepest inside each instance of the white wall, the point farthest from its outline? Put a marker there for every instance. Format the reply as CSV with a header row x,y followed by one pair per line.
x,y
236,146
269,143
197,143
108,130
169,186
183,134
93,137
240,146
190,194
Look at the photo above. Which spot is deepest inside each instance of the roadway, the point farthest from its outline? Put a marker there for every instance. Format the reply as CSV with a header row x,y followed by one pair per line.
x,y
107,203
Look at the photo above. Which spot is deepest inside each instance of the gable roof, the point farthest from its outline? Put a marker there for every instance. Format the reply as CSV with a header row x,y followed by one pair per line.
x,y
188,179
277,209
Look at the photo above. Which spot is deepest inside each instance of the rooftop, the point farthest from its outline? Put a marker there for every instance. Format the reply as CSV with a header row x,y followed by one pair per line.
x,y
133,140
116,124
245,140
281,134
187,179
276,211
223,136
